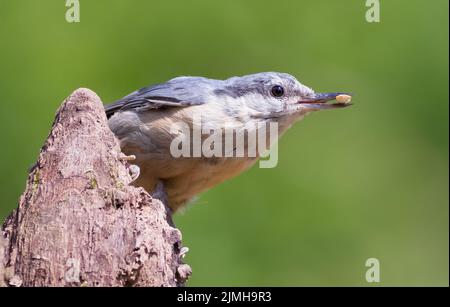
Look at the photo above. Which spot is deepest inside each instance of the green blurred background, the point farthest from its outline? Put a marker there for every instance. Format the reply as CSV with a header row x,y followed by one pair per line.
x,y
367,181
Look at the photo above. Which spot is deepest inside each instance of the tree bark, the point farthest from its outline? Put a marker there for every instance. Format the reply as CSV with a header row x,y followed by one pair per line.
x,y
79,222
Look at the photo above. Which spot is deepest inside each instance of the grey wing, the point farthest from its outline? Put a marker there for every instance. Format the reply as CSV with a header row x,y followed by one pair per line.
x,y
178,92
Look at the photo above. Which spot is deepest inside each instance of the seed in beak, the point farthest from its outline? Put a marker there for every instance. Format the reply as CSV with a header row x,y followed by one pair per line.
x,y
343,98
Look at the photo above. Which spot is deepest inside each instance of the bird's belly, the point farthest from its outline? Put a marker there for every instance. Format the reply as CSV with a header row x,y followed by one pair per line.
x,y
184,178
206,173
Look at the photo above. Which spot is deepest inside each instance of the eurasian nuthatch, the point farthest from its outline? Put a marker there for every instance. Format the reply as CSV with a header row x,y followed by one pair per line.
x,y
146,124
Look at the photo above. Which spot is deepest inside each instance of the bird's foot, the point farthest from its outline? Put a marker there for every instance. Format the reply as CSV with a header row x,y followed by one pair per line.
x,y
134,171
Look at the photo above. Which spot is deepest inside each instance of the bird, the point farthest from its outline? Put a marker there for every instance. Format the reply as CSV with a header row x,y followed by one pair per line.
x,y
148,121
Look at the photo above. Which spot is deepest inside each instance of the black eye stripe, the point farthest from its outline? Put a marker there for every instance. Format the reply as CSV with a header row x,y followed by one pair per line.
x,y
277,91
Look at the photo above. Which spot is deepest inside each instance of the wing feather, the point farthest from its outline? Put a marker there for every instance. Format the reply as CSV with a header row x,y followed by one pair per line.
x,y
178,92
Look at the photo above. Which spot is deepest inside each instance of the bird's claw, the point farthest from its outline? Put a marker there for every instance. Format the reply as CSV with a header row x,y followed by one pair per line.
x,y
134,171
124,157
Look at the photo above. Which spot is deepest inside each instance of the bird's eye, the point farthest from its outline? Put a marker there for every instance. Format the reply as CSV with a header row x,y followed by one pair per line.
x,y
277,91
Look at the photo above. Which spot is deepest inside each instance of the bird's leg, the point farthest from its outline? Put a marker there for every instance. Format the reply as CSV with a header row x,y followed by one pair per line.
x,y
159,192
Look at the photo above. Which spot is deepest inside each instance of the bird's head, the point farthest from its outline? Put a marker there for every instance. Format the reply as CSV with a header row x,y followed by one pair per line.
x,y
276,95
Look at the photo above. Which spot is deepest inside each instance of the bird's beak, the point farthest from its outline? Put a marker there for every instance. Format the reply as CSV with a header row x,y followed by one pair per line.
x,y
319,100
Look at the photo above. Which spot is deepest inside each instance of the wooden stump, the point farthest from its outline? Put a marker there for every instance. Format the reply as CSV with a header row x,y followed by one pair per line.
x,y
79,222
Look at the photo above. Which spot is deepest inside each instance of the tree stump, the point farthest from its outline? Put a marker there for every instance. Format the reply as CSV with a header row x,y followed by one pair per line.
x,y
79,222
